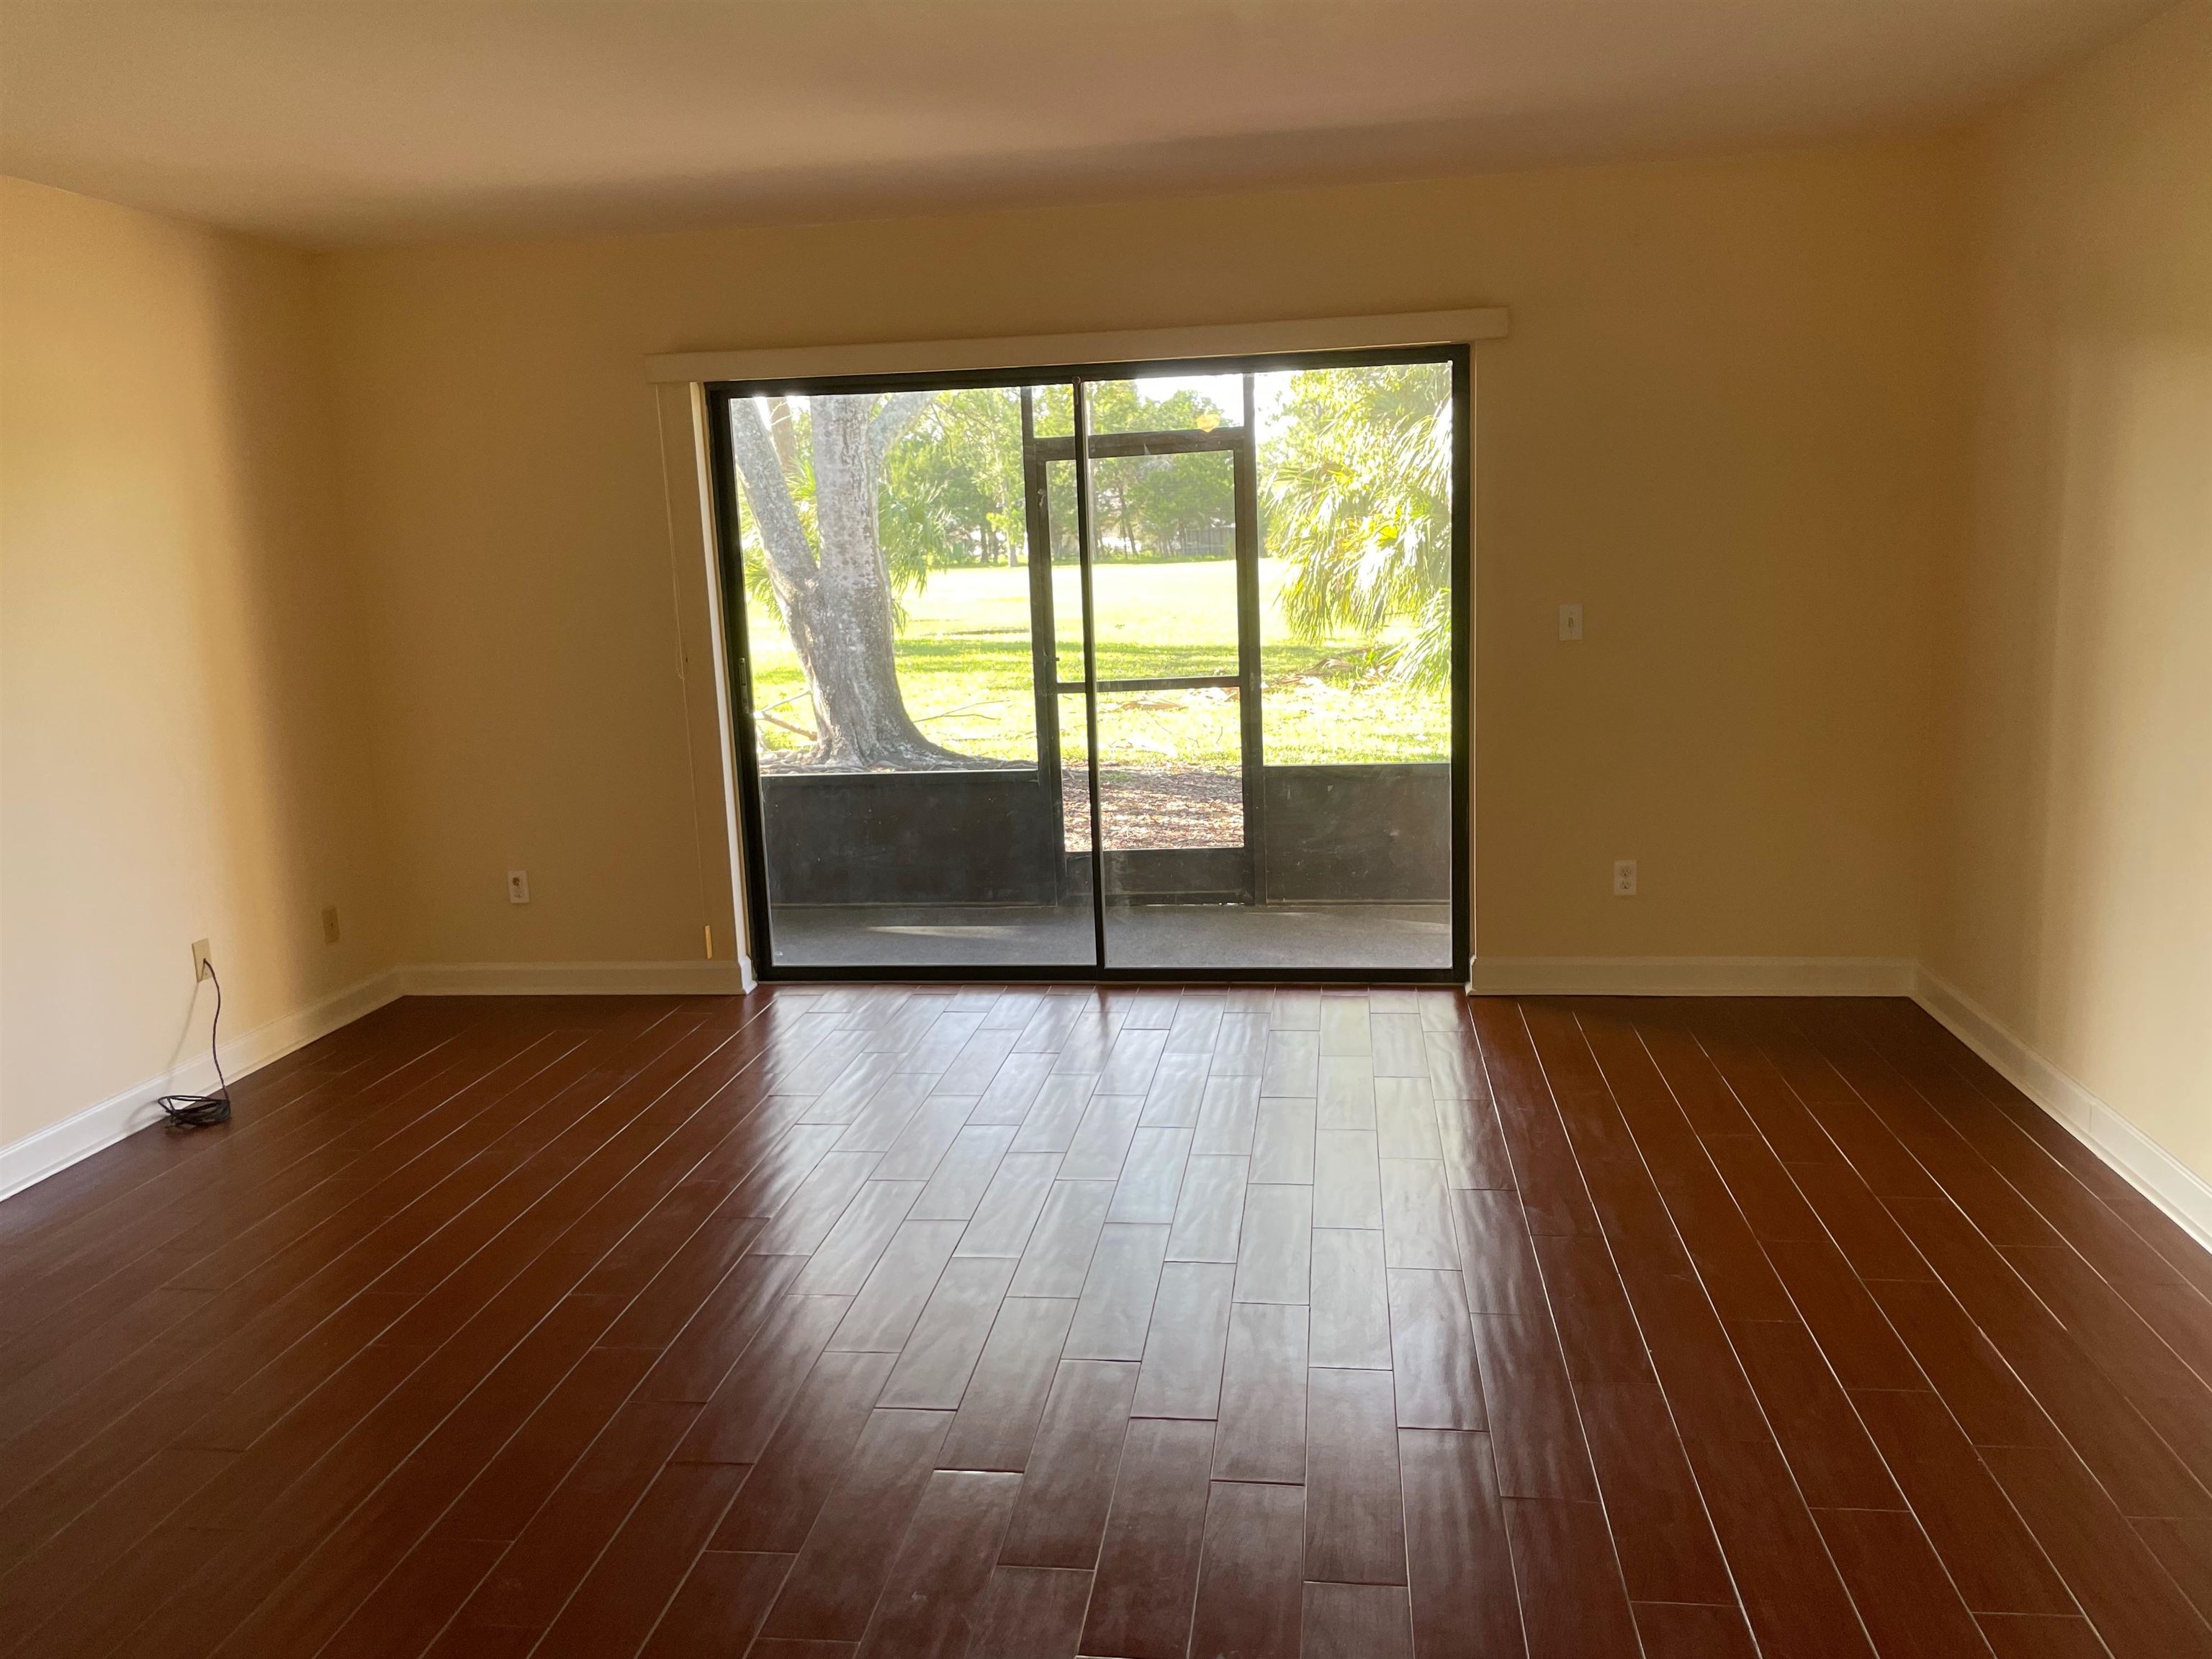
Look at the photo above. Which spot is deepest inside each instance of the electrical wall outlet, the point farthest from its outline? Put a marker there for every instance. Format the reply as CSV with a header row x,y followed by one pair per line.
x,y
1570,622
329,924
1624,878
518,887
201,968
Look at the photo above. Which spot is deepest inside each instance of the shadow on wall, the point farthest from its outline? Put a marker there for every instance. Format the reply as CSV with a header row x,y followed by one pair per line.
x,y
185,727
292,751
2118,759
2075,900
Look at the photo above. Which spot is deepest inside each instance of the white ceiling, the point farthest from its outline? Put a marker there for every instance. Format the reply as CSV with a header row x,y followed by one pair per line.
x,y
331,122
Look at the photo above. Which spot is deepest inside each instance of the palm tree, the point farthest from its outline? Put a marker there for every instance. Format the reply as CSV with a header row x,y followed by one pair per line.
x,y
1358,503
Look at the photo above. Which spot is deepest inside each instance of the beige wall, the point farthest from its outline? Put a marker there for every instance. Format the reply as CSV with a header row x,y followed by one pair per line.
x,y
2073,894
1729,420
1881,473
181,726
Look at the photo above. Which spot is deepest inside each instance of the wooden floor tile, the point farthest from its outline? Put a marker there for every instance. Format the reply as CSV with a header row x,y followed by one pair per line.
x,y
1128,1321
1187,1342
1497,1261
2185,1549
1005,1395
1292,1066
721,1606
1835,1464
1115,1307
2135,1606
1791,1593
752,1398
1345,1093
1054,1116
1995,1562
1571,1599
1355,1524
1263,1394
1068,1479
936,1362
1274,1254
1057,1261
1900,1589
1150,1181
1347,1182
1209,1218
1283,1143
1102,1138
840,1573
1250,1589
1689,1629
807,1456
846,1255
1177,1090
934,1597
1228,1117
1148,1563
1032,1613
2030,1636
1598,1334
1350,1297
1432,1352
1357,1622
624,1593
1660,1528
1416,1218
1405,1119
1458,1565
1535,1434
890,1300
1011,1202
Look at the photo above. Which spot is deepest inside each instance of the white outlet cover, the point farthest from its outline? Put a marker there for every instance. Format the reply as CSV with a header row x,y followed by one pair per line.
x,y
518,887
1624,878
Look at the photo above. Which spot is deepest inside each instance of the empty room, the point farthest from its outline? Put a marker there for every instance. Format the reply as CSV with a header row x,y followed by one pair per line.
x,y
1106,829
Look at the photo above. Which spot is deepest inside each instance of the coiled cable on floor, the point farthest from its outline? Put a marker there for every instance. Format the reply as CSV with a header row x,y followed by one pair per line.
x,y
199,1111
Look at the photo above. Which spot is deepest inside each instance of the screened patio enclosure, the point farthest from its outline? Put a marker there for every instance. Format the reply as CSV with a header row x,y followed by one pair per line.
x,y
1152,670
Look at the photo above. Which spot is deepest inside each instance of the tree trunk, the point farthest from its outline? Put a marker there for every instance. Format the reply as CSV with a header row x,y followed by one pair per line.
x,y
837,605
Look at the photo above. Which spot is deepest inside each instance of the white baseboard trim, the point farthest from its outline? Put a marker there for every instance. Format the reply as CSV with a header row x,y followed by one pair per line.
x,y
540,979
2152,1170
54,1148
1691,977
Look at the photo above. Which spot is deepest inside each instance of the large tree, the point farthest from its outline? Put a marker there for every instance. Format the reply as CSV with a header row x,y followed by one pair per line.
x,y
828,577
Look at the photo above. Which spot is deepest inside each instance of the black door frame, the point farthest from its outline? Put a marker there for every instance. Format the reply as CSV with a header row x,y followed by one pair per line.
x,y
1240,443
737,656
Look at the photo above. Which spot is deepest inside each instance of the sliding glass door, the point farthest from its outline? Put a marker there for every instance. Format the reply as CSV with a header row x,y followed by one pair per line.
x,y
1155,671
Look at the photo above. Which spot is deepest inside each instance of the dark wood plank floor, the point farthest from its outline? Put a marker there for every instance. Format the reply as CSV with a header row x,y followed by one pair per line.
x,y
1119,1322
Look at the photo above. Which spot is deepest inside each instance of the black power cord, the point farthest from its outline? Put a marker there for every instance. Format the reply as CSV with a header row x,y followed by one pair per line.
x,y
198,1111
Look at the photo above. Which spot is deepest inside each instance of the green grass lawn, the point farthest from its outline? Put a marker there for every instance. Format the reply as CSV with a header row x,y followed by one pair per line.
x,y
964,666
